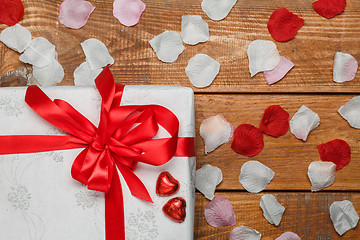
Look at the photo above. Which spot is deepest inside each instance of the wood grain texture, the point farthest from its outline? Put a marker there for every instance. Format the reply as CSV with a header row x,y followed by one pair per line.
x,y
306,214
287,156
312,50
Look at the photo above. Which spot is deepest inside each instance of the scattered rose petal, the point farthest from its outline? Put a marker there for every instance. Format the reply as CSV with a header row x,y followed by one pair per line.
x,y
345,67
219,212
11,11
275,121
16,37
337,151
202,70
350,111
50,74
263,56
84,76
207,178
344,216
194,29
283,25
97,55
288,236
75,13
217,9
167,46
40,53
128,12
321,175
303,122
329,8
255,176
272,209
248,140
279,72
244,233
215,131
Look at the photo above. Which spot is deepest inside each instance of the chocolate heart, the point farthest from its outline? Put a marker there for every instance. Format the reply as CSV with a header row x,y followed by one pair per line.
x,y
175,209
166,184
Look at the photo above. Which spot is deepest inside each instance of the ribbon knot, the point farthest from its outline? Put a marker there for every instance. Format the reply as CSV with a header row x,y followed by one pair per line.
x,y
122,139
98,144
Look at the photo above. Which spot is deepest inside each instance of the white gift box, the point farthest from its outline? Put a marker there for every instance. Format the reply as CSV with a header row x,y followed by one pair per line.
x,y
40,200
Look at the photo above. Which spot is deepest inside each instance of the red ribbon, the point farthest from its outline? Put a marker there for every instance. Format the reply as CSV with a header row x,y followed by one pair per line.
x,y
113,143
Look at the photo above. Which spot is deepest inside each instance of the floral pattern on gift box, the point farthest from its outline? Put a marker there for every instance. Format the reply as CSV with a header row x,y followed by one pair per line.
x,y
55,131
86,199
141,225
11,107
56,156
19,197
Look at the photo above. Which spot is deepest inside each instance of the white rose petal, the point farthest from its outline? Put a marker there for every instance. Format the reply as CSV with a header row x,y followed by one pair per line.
x,y
255,176
215,131
40,53
343,216
217,9
272,209
351,112
345,67
244,233
16,37
321,175
207,178
97,55
303,122
263,56
167,46
84,76
194,29
202,70
50,74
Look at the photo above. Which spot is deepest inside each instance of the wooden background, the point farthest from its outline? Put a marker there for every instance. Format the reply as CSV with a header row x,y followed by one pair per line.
x,y
234,94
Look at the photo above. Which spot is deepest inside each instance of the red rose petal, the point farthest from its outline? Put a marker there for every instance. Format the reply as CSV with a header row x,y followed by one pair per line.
x,y
248,140
283,25
11,11
337,151
275,121
329,8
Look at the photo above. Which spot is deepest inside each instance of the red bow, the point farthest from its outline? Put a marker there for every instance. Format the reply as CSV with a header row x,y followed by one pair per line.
x,y
115,142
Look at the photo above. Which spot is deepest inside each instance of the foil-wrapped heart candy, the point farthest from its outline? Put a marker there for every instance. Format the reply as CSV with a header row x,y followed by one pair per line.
x,y
166,185
175,209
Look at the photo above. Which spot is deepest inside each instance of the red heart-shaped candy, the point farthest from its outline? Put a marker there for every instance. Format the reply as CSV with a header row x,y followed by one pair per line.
x,y
166,184
175,209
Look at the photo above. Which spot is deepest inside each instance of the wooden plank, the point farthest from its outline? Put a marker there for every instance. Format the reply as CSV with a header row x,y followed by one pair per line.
x,y
287,156
312,50
306,214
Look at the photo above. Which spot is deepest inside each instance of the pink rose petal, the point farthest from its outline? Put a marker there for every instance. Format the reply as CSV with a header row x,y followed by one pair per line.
x,y
219,212
288,236
279,71
128,12
75,13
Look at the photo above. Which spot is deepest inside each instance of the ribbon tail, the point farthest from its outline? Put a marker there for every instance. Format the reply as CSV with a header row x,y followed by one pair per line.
x,y
114,211
136,187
